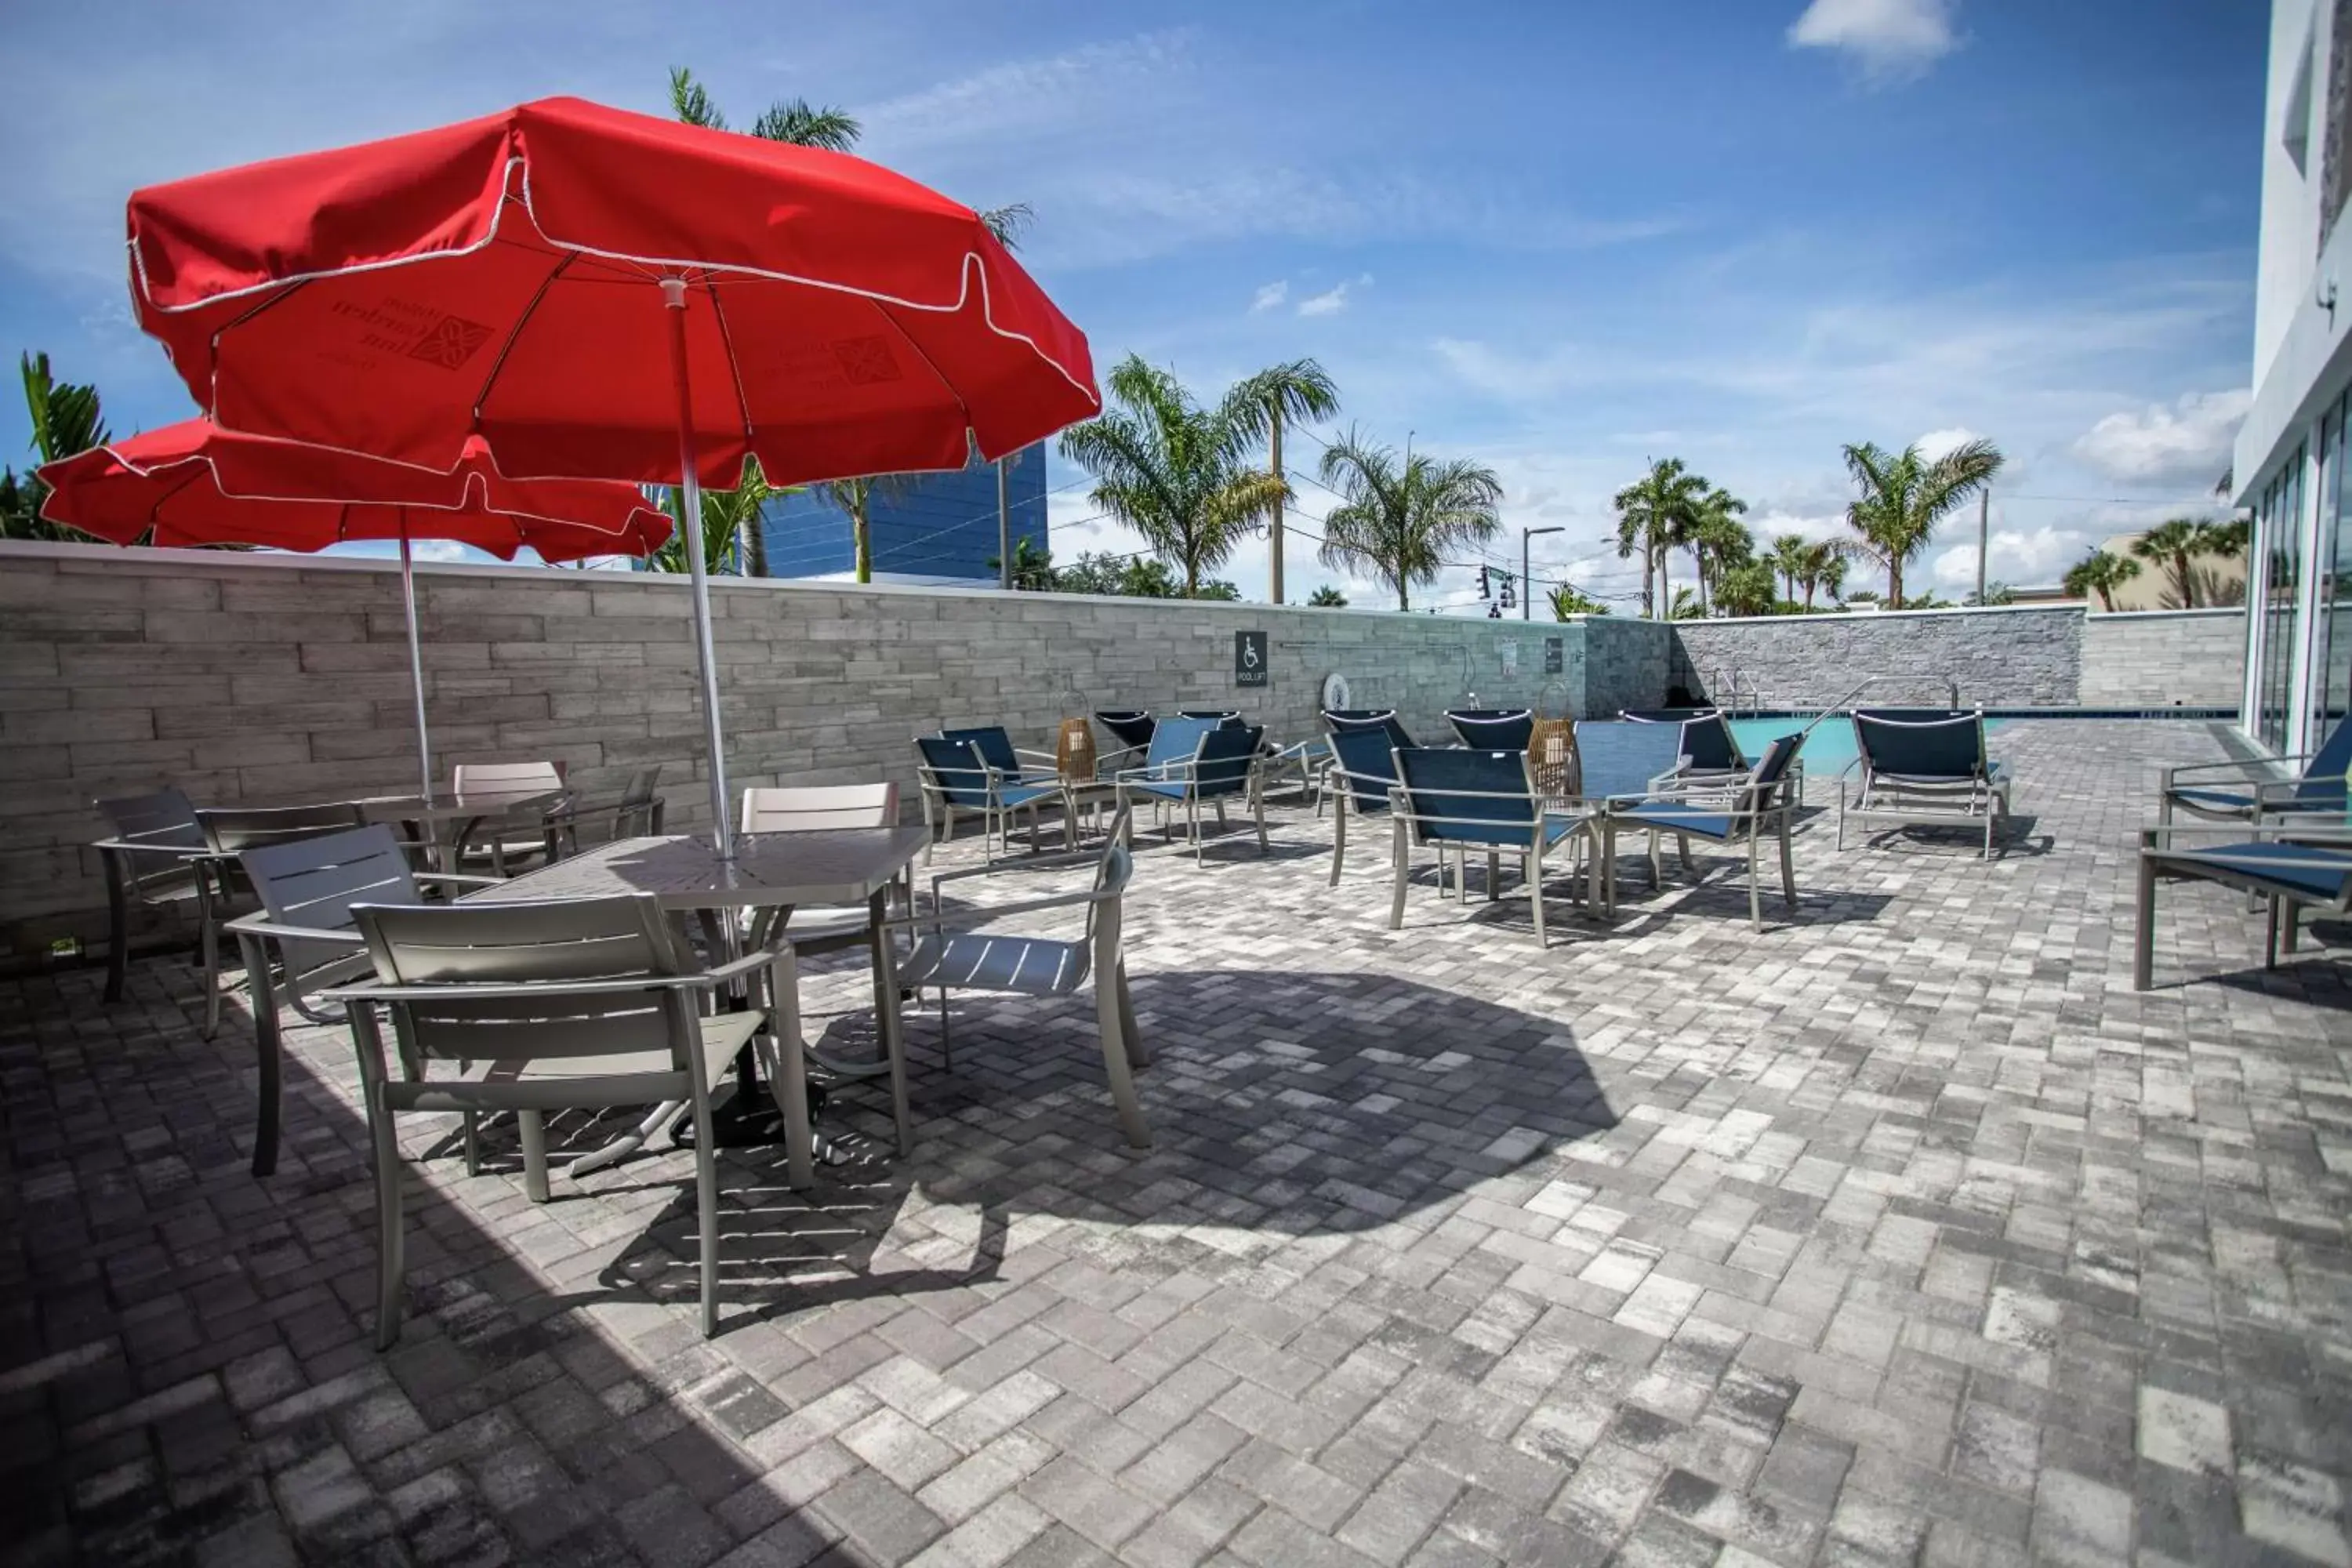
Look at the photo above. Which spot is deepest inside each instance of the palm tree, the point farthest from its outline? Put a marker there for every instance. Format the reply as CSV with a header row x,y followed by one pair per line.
x,y
1401,519
65,418
856,496
1790,555
1174,471
1656,515
1327,597
1033,567
1567,600
731,521
2102,573
1295,391
1824,567
1904,497
798,122
1746,588
2169,545
1718,539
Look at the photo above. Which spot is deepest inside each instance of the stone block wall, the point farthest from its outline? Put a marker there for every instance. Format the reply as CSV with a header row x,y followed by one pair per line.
x,y
259,679
2024,657
2165,658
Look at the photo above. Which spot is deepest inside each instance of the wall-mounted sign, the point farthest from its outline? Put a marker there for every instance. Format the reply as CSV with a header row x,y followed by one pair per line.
x,y
1510,659
1249,658
1554,657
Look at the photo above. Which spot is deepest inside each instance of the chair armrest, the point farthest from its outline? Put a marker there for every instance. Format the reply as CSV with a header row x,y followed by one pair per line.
x,y
1048,758
2234,766
992,912
460,993
256,925
461,878
750,962
1026,863
1156,773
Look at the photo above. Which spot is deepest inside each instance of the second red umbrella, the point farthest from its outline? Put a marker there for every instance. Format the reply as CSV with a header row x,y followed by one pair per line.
x,y
191,484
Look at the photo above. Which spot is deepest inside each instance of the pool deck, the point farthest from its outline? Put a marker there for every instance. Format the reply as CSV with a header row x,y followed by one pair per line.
x,y
1900,1232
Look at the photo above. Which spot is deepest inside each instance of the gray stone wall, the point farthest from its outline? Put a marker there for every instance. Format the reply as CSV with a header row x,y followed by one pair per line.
x,y
2023,657
2165,658
252,678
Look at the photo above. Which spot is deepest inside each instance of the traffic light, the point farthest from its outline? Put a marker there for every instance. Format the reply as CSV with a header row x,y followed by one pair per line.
x,y
1485,591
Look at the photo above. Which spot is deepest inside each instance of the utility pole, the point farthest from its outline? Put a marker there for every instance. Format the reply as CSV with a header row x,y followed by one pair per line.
x,y
1527,584
1984,514
1004,533
1274,562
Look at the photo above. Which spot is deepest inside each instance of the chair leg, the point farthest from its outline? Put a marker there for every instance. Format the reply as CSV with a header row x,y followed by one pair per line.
x,y
2270,937
210,939
1755,881
1338,838
268,1050
2144,937
532,1126
1114,1068
391,1252
1137,1054
1531,867
1259,805
2291,917
706,1210
1788,867
1400,857
1494,875
117,925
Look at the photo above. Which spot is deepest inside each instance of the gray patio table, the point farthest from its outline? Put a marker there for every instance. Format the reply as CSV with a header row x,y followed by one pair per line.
x,y
771,873
118,856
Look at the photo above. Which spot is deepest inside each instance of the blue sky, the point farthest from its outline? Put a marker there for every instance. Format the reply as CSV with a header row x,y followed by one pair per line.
x,y
1561,239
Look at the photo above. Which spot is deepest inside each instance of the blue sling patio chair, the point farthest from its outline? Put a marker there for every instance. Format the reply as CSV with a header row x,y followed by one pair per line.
x,y
1713,750
1131,728
957,780
1453,799
1493,728
1621,762
1759,807
1360,780
2293,868
2239,790
1923,768
1192,761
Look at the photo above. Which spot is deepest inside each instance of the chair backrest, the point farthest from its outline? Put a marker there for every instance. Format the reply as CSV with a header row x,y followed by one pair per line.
x,y
458,946
1764,782
1226,717
1623,759
995,748
1222,765
1127,726
1921,745
956,770
1176,740
1710,745
166,819
231,830
641,811
1463,796
1366,764
505,778
1493,728
316,882
2323,781
802,808
1384,720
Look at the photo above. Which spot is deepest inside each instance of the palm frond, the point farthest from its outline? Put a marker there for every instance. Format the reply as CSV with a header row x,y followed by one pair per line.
x,y
1008,223
803,124
691,103
1298,390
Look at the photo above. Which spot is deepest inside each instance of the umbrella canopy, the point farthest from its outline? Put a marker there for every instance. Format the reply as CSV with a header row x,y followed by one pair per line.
x,y
500,278
191,484
529,278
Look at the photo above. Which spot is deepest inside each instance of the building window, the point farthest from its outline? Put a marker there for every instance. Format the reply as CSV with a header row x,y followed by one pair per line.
x,y
2332,637
2282,539
2336,156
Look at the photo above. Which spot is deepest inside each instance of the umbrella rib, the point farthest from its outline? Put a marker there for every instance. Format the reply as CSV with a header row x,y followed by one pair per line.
x,y
734,367
950,387
506,346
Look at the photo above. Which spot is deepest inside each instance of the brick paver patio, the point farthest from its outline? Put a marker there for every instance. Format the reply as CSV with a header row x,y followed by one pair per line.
x,y
1901,1232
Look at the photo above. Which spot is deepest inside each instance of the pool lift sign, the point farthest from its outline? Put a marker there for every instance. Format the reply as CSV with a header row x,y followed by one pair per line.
x,y
1249,658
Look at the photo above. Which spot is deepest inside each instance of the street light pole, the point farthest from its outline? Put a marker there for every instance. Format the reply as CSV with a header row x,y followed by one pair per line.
x,y
1527,584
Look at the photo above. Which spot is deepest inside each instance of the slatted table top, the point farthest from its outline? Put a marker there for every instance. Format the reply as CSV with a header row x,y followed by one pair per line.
x,y
826,865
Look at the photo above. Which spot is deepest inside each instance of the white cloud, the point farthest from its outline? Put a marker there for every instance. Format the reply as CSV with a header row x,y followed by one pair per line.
x,y
1271,295
1334,299
2015,556
1891,40
2189,440
1935,444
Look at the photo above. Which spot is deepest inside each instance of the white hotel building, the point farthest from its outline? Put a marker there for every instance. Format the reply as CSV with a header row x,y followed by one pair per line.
x,y
2292,452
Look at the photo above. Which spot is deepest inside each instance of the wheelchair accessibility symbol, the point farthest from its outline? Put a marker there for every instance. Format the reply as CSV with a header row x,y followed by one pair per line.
x,y
1249,658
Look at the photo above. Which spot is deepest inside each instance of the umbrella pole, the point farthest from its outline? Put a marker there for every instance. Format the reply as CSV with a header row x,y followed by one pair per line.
x,y
723,834
415,662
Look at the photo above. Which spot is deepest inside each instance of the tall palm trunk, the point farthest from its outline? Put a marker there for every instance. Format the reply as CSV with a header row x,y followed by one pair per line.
x,y
861,541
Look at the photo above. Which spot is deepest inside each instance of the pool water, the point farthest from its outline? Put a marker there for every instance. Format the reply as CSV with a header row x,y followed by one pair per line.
x,y
1828,749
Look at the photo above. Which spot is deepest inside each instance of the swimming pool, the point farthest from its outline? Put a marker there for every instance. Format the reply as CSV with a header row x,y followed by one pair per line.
x,y
1828,749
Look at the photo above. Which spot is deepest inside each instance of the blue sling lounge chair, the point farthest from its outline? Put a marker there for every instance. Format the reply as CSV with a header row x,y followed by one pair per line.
x,y
2293,868
2238,791
1923,768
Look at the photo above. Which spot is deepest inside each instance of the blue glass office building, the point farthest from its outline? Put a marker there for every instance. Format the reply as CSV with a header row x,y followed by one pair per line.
x,y
933,527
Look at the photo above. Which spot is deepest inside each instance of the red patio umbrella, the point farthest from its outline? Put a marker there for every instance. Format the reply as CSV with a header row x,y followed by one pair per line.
x,y
604,295
191,484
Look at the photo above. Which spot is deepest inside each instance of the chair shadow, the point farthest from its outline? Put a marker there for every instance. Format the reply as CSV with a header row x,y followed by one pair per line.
x,y
2017,839
1294,1104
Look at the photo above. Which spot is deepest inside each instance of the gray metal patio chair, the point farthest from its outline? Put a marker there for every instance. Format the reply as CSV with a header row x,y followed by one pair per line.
x,y
534,1007
1923,768
1453,799
308,888
514,841
2253,791
2291,868
808,808
957,780
229,831
149,860
1765,804
965,951
639,813
1193,761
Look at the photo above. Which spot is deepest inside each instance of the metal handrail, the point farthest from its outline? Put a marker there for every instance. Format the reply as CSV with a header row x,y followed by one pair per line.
x,y
1841,705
